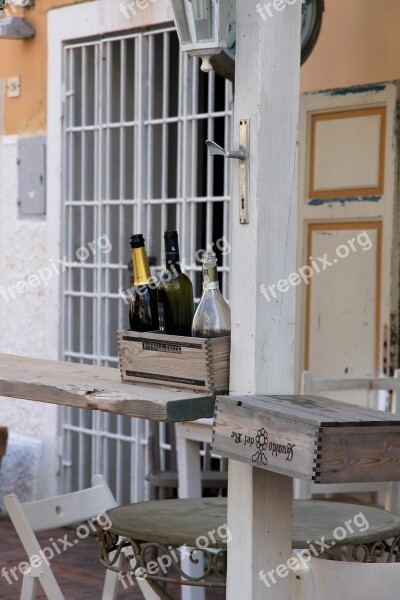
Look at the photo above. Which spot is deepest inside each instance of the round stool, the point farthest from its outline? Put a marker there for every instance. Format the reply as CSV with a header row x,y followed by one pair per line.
x,y
198,528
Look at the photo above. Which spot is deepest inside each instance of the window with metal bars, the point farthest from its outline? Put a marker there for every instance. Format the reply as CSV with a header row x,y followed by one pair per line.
x,y
137,114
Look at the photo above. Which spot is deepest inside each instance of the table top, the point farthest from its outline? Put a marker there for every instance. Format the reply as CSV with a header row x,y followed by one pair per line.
x,y
97,388
180,522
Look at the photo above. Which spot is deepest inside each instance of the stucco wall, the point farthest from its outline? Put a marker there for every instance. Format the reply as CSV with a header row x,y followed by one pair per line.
x,y
22,317
23,251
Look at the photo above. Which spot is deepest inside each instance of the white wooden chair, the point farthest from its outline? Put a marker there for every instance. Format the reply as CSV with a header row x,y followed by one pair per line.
x,y
324,579
61,511
370,386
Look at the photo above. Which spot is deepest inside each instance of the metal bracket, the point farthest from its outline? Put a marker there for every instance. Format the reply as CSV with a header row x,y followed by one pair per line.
x,y
243,156
244,172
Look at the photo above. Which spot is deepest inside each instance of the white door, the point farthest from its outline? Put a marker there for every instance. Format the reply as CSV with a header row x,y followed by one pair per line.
x,y
347,232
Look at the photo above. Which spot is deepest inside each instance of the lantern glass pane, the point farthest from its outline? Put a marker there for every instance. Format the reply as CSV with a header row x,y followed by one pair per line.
x,y
203,18
227,11
181,21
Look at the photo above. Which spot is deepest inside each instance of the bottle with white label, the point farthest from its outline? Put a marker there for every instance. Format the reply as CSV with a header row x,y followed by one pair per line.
x,y
213,315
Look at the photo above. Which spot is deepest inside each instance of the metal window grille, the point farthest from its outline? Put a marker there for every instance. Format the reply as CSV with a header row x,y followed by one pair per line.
x,y
137,113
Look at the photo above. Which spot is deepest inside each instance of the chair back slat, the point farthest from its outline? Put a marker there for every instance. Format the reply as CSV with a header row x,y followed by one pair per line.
x,y
32,517
369,385
336,385
68,509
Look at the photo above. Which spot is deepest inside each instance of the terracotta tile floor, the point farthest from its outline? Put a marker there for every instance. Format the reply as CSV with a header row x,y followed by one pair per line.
x,y
78,570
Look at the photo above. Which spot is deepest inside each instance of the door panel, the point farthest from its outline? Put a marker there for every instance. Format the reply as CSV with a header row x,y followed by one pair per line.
x,y
346,314
348,185
348,153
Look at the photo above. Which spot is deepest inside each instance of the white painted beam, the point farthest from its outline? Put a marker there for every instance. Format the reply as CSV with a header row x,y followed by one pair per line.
x,y
264,252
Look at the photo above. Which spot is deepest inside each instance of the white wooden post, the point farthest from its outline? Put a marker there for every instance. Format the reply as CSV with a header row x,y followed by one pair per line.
x,y
264,252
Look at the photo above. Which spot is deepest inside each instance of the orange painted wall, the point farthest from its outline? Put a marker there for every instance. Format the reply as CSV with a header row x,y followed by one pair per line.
x,y
28,59
359,43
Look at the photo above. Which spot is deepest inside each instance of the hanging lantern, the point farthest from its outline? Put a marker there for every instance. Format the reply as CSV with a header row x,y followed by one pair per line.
x,y
202,27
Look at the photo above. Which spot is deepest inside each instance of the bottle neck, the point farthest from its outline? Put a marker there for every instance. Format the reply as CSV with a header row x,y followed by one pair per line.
x,y
141,269
172,259
210,278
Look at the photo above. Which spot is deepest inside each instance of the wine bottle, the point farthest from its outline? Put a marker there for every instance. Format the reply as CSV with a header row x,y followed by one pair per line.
x,y
143,314
175,292
213,315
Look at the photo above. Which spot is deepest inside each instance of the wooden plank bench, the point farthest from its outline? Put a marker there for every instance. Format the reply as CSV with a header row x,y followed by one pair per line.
x,y
98,388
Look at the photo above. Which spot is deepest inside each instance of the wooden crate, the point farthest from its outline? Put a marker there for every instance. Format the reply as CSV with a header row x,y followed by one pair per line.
x,y
308,437
174,361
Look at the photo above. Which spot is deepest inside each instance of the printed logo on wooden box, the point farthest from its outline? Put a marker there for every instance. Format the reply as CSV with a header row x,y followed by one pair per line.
x,y
264,446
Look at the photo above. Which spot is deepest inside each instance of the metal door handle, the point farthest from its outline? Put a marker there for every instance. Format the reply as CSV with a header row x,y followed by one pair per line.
x,y
244,166
215,150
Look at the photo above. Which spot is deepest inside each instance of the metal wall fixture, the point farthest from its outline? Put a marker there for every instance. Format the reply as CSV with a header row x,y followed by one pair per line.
x,y
19,3
15,28
202,27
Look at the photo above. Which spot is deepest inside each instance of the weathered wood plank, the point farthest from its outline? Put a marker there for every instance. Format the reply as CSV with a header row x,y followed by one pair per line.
x,y
97,388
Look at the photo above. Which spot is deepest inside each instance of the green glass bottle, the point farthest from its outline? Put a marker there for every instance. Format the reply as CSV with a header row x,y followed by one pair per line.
x,y
175,292
143,314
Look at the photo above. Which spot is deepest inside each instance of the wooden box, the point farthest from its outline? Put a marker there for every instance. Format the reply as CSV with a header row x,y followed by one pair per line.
x,y
308,437
197,364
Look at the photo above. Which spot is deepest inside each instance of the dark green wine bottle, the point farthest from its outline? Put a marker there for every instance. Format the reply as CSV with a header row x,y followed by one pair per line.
x,y
175,292
143,313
